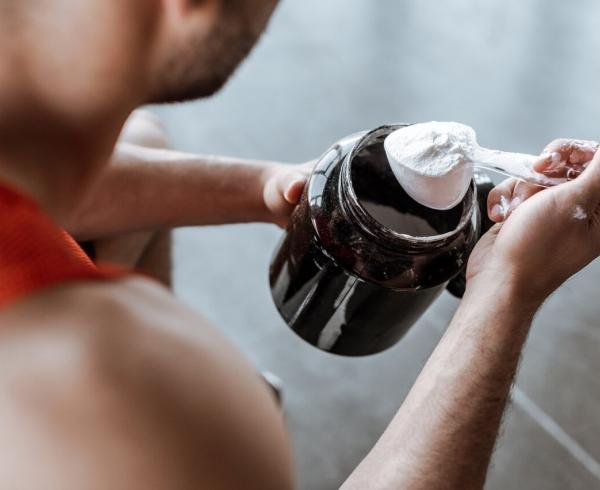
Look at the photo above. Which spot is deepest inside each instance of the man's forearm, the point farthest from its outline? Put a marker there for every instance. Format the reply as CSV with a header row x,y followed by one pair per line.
x,y
153,189
444,433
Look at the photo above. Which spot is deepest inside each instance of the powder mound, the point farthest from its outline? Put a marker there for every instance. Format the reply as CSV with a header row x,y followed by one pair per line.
x,y
433,148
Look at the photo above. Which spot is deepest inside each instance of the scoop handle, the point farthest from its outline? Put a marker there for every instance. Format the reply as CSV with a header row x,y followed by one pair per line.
x,y
518,165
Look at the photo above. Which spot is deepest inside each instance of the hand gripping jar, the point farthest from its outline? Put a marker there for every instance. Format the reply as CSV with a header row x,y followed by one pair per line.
x,y
360,260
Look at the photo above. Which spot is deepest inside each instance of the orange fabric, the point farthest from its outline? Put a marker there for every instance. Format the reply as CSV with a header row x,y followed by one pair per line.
x,y
35,253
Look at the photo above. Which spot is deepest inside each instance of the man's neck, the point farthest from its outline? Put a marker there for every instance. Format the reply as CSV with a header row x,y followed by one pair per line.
x,y
58,127
54,160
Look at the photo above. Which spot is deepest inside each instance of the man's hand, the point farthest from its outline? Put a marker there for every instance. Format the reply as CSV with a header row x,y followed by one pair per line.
x,y
566,158
543,236
444,433
282,189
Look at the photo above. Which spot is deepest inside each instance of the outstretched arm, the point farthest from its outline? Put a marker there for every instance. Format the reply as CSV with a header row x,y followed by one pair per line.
x,y
444,433
149,187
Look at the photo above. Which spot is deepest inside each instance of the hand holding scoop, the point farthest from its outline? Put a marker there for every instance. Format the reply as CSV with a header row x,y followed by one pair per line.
x,y
434,162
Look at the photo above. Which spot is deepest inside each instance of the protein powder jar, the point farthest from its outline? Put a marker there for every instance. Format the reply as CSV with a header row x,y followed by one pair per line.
x,y
361,260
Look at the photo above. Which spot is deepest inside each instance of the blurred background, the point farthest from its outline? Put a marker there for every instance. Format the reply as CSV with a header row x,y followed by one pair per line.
x,y
521,73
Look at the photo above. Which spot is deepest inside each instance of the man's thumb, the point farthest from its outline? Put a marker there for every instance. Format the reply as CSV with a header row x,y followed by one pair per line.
x,y
589,180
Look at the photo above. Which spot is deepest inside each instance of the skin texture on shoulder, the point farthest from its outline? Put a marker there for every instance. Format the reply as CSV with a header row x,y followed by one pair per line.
x,y
115,385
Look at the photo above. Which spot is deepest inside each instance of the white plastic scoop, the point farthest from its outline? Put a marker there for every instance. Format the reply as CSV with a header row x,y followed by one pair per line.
x,y
434,162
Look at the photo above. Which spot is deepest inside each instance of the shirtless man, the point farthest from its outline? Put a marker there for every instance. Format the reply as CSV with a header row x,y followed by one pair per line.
x,y
105,380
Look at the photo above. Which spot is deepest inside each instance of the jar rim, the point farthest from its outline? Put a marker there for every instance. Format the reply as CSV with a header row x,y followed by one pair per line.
x,y
377,229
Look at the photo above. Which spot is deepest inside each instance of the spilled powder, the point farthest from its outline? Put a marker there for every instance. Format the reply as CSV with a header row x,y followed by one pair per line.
x,y
504,206
579,213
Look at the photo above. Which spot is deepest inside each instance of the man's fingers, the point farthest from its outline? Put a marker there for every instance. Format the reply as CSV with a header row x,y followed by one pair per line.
x,y
507,196
291,184
550,164
499,200
565,158
588,184
293,190
573,151
283,188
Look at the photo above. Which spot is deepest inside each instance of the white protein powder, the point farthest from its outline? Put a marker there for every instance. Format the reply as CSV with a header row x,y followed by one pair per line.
x,y
579,213
434,162
433,148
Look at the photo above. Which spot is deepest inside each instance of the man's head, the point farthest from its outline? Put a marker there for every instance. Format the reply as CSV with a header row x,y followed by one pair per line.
x,y
201,44
71,71
161,50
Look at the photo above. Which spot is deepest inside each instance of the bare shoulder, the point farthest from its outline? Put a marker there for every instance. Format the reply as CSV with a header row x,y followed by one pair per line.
x,y
121,378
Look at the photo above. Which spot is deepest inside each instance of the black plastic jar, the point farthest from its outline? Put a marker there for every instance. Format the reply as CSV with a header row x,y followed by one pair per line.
x,y
360,260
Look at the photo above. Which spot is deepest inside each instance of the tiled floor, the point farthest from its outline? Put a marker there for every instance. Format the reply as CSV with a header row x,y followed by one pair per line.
x,y
521,73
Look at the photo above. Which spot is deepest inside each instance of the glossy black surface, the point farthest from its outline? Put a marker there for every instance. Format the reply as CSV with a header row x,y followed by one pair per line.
x,y
342,280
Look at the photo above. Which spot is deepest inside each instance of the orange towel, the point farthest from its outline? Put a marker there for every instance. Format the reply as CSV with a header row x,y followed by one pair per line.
x,y
35,253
